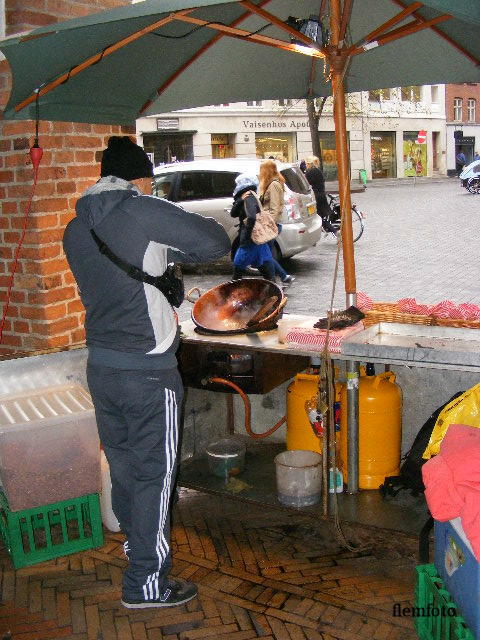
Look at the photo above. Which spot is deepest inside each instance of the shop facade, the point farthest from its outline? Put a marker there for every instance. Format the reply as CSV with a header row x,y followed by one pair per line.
x,y
389,138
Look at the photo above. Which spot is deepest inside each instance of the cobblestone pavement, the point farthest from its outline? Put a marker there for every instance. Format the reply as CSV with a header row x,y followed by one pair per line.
x,y
262,573
421,240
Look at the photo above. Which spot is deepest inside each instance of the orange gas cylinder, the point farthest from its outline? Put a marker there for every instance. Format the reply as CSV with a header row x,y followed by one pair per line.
x,y
299,430
380,427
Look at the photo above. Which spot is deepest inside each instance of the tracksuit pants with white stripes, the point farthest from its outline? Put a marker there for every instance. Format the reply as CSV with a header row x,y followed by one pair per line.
x,y
137,414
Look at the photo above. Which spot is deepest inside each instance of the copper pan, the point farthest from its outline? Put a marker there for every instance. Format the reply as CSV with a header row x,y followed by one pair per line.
x,y
238,306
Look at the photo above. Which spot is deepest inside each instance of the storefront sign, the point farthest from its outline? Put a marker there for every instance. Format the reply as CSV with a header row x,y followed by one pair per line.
x,y
167,123
287,124
219,138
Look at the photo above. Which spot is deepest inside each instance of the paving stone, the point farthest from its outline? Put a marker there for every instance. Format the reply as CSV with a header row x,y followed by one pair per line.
x,y
258,577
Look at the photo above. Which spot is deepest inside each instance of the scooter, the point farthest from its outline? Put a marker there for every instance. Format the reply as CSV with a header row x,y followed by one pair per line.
x,y
470,177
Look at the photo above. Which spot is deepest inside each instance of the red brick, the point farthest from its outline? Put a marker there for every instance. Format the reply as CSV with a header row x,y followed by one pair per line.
x,y
12,128
51,312
83,142
43,237
55,328
75,306
82,171
21,327
78,336
42,252
6,176
9,207
13,341
53,295
66,187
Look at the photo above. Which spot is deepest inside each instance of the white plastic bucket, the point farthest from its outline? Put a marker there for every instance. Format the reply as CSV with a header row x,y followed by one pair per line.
x,y
108,517
299,477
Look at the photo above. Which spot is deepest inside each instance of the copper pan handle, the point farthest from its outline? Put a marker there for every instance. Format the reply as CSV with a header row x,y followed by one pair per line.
x,y
189,295
282,304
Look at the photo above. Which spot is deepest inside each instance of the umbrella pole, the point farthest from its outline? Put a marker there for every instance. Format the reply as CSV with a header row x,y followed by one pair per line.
x,y
338,61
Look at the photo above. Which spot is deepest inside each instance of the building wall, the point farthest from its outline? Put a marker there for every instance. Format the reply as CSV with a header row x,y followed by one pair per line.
x,y
44,310
242,122
469,129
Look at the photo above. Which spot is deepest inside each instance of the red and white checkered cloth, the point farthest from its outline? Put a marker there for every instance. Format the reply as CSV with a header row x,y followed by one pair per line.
x,y
364,302
407,305
446,309
469,311
315,339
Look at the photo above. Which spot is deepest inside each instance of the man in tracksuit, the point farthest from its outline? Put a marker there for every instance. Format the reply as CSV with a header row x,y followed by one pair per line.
x,y
132,336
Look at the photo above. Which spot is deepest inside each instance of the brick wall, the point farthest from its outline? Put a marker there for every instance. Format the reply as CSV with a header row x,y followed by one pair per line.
x,y
44,311
463,91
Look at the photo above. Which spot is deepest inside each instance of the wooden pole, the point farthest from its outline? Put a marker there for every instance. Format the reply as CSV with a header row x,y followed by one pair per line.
x,y
338,60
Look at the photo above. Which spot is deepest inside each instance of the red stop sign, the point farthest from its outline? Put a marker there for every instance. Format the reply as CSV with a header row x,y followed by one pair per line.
x,y
422,137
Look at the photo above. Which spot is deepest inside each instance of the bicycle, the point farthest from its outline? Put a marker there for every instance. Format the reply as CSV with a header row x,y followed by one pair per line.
x,y
334,217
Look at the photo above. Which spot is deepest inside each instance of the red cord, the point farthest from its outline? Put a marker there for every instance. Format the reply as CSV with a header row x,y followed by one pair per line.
x,y
246,402
36,156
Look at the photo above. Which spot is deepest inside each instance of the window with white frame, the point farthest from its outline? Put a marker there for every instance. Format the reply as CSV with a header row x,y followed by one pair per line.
x,y
434,93
471,108
411,94
457,109
254,103
378,95
285,103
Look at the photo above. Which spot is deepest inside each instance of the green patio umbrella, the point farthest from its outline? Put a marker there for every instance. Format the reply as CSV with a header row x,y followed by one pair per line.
x,y
192,59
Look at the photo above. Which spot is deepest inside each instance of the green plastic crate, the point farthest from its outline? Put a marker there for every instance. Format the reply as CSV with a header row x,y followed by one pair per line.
x,y
51,531
430,594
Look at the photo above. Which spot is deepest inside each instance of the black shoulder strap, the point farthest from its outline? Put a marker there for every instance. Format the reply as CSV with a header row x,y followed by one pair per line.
x,y
129,269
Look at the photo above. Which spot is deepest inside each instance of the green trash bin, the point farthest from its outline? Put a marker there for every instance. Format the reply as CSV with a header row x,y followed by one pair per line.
x,y
363,177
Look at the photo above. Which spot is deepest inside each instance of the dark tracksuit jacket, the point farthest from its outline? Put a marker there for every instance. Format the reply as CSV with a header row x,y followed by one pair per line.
x,y
132,336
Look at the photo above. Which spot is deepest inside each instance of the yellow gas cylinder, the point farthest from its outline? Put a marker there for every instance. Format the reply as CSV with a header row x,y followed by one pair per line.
x,y
299,430
380,427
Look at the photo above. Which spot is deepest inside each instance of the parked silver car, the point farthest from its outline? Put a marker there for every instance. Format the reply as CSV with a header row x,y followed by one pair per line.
x,y
206,187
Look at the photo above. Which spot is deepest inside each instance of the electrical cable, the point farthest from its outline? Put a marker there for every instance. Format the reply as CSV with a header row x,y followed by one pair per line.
x,y
36,153
248,411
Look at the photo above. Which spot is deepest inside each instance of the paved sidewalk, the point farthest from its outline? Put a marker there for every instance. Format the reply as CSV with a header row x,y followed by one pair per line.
x,y
267,574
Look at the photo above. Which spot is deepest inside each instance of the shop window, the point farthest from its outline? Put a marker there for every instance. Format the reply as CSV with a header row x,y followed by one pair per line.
x,y
279,146
411,94
382,145
414,155
471,109
457,109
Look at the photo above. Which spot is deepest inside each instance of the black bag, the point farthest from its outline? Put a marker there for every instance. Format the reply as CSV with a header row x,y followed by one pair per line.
x,y
170,283
411,470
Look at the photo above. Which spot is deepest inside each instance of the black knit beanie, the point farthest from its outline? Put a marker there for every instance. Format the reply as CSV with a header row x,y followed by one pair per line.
x,y
125,159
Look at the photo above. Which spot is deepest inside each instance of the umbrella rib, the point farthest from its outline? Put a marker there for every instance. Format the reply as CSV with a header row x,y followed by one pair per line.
x,y
446,37
247,35
282,25
200,52
386,25
406,30
64,77
347,9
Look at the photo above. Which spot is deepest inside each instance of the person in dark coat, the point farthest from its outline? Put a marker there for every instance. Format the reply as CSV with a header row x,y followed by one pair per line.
x,y
315,177
245,208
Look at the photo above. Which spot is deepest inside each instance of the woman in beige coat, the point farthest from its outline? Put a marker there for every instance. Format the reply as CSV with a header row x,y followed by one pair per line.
x,y
272,198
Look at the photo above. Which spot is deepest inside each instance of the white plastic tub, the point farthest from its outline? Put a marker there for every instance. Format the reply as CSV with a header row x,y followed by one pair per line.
x,y
226,457
49,446
299,477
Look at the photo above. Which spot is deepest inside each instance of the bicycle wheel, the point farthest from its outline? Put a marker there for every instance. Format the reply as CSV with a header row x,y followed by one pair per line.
x,y
357,225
